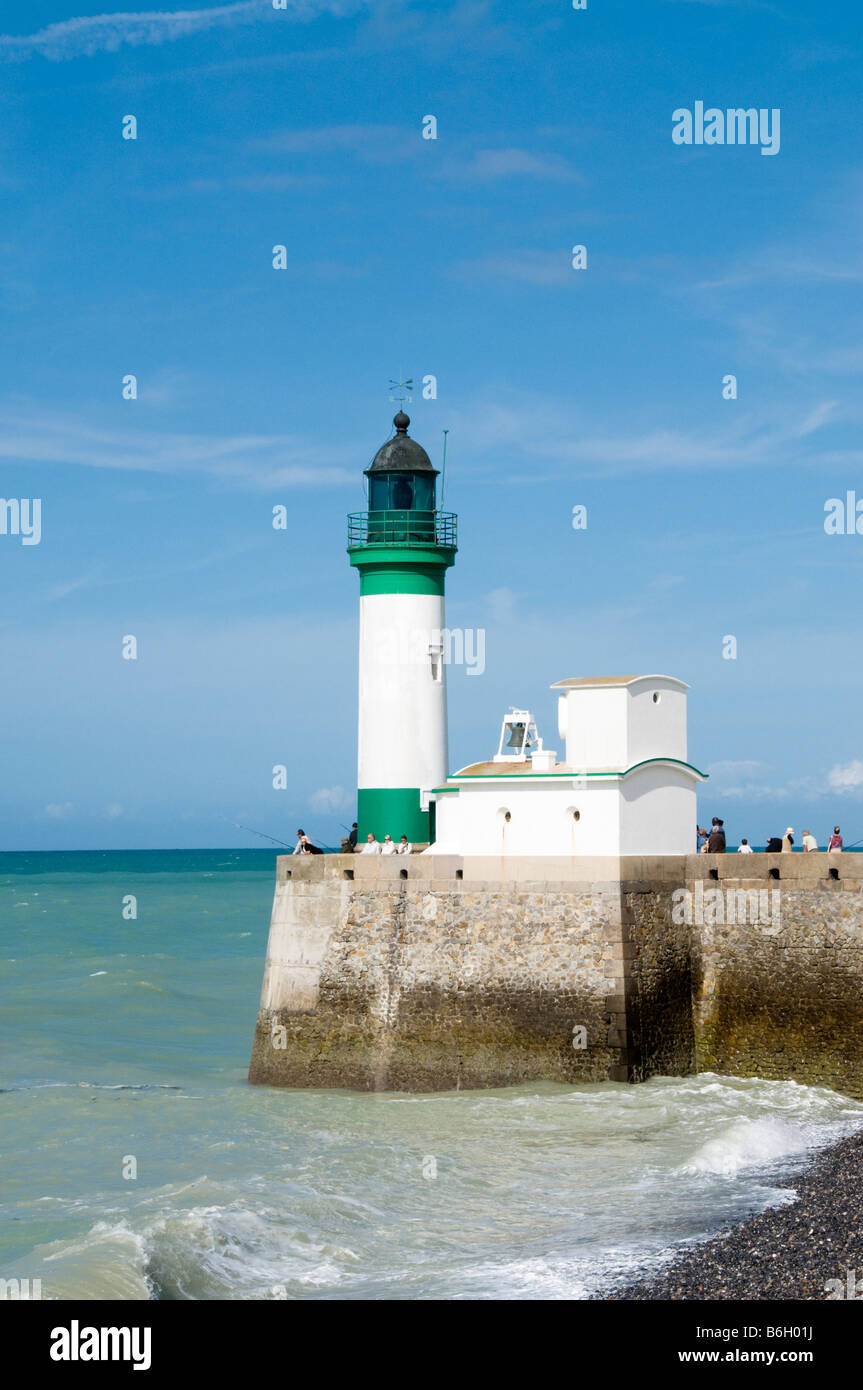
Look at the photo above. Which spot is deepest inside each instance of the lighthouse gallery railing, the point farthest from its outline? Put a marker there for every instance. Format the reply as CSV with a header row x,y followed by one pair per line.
x,y
402,528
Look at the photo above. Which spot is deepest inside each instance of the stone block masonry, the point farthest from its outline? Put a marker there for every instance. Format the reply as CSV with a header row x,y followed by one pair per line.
x,y
437,973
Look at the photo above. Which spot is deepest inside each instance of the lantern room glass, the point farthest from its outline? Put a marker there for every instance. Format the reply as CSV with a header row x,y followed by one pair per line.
x,y
401,507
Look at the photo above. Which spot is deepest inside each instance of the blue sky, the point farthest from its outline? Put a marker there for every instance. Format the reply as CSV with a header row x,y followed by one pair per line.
x,y
453,257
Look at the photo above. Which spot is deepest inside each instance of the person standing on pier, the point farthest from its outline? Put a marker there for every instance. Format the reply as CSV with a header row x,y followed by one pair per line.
x,y
716,843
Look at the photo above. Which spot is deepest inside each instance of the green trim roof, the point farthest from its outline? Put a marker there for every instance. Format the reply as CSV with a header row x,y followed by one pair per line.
x,y
562,776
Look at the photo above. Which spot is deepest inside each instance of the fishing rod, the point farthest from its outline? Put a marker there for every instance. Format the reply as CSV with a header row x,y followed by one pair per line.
x,y
237,826
259,833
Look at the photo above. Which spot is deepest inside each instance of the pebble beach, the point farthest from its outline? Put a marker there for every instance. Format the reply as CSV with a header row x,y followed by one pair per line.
x,y
788,1252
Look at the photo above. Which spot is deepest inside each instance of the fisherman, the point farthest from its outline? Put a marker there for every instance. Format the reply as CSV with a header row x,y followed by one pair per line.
x,y
302,841
354,835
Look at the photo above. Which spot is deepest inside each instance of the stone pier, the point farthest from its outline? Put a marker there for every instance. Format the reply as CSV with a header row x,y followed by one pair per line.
x,y
431,973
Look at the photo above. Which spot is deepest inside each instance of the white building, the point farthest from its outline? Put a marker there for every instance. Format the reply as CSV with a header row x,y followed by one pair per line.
x,y
624,786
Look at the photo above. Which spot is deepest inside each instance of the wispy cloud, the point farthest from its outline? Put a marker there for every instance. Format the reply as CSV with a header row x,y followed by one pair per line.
x,y
786,266
389,144
328,800
846,777
544,431
529,266
105,33
490,164
722,772
370,141
749,781
259,461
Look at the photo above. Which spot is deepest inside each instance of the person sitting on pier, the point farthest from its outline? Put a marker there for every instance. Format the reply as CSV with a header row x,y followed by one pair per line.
x,y
300,846
388,847
403,847
774,845
716,843
371,846
810,844
745,847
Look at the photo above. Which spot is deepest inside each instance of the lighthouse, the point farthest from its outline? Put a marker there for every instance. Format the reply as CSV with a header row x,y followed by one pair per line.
x,y
402,547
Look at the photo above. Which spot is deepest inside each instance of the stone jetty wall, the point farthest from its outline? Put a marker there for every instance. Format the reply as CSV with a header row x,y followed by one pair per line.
x,y
434,973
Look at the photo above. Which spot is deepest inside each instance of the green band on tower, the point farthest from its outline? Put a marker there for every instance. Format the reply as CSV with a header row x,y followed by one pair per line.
x,y
400,572
393,811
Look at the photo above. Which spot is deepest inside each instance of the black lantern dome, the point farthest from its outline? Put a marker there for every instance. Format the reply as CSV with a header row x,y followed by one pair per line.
x,y
401,454
401,476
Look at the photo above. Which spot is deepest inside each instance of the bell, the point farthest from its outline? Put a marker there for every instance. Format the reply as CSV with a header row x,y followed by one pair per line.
x,y
516,736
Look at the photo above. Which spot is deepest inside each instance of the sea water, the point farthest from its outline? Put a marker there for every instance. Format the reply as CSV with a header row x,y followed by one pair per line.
x,y
124,1044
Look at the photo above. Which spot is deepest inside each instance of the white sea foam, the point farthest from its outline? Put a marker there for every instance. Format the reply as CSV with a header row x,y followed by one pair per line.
x,y
748,1143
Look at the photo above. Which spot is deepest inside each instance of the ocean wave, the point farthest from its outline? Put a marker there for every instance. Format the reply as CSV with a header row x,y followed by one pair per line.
x,y
109,1262
212,1252
92,1085
749,1143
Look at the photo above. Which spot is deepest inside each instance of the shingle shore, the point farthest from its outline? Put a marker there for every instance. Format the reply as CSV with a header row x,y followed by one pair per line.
x,y
788,1252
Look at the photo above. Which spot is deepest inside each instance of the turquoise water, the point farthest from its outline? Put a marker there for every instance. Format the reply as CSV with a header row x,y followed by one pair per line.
x,y
129,1040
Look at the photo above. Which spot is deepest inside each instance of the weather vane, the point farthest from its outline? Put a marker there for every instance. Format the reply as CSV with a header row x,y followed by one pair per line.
x,y
405,387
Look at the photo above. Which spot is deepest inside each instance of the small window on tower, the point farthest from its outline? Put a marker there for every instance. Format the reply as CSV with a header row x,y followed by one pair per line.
x,y
436,658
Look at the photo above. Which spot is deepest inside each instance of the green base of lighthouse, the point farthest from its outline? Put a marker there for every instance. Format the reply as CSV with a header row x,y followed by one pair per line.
x,y
393,811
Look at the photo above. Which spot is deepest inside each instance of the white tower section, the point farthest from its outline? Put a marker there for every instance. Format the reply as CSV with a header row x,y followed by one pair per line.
x,y
402,693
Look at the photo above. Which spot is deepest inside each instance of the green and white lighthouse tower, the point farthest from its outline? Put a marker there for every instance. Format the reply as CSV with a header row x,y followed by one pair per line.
x,y
402,547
